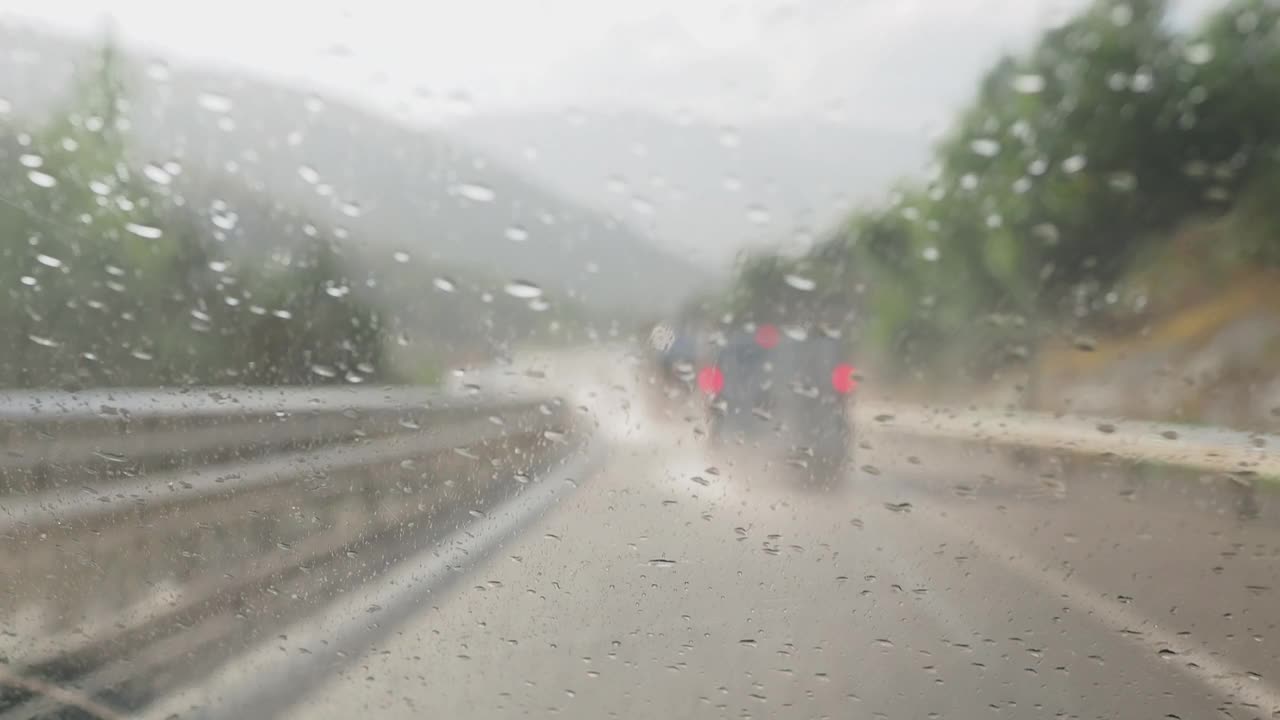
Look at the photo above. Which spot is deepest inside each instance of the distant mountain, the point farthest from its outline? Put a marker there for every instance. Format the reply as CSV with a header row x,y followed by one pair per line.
x,y
393,190
705,191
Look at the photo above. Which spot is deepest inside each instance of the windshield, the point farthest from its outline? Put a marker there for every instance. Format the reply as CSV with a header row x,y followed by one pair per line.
x,y
785,359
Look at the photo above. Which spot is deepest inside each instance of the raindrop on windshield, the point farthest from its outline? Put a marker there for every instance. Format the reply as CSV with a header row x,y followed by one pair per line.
x,y
144,231
1028,84
41,179
799,282
522,289
215,102
985,147
1199,53
157,174
476,193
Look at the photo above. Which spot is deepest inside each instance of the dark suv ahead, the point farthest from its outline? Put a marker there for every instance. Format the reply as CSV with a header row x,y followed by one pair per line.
x,y
788,395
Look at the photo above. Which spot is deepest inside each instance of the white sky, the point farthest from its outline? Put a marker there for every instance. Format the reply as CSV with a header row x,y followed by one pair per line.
x,y
734,61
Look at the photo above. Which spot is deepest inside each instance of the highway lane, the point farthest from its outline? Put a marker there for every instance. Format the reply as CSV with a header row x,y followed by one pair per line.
x,y
943,581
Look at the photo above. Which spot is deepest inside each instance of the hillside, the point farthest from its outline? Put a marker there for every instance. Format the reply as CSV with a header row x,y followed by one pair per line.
x,y
388,187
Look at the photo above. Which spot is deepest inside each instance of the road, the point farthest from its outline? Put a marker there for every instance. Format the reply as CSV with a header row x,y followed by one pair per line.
x,y
942,581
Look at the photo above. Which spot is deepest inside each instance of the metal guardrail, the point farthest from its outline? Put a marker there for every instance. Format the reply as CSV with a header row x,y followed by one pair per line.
x,y
1189,446
147,537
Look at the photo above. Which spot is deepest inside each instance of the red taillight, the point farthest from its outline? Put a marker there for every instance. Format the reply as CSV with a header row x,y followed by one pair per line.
x,y
843,380
767,336
711,380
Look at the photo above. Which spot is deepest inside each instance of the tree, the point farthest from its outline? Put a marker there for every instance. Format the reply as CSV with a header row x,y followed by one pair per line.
x,y
111,279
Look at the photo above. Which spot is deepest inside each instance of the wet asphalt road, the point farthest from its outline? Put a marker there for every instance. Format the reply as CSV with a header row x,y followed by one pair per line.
x,y
940,580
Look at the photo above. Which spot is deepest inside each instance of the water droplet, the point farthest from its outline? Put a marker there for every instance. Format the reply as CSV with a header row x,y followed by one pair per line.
x,y
214,102
729,137
48,260
1028,84
282,314
930,254
158,70
799,282
522,289
1073,164
27,280
1084,343
43,341
218,265
757,215
309,175
157,174
224,219
539,304
324,371
144,231
6,107
400,256
41,179
1199,53
444,284
30,161
1106,428
515,233
986,147
476,193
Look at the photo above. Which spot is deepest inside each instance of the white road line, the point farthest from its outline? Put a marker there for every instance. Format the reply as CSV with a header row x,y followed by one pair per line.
x,y
1218,675
1223,678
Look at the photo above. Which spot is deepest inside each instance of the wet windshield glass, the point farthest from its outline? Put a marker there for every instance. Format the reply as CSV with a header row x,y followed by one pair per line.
x,y
785,359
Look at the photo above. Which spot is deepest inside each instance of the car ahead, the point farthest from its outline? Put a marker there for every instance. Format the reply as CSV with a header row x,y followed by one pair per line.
x,y
789,395
676,350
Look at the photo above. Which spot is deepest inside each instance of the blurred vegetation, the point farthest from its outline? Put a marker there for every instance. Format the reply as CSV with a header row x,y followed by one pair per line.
x,y
1085,173
111,277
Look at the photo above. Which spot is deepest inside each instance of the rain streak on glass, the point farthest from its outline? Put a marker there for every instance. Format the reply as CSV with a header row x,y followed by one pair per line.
x,y
476,193
144,231
522,289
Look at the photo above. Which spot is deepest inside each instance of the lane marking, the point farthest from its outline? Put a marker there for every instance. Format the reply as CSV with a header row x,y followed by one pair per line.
x,y
1219,675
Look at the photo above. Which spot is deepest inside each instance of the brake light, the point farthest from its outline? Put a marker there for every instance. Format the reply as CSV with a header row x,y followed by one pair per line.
x,y
710,380
767,336
843,380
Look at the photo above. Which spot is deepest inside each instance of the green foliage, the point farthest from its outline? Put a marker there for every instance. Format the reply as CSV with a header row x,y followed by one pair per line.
x,y
108,279
1073,166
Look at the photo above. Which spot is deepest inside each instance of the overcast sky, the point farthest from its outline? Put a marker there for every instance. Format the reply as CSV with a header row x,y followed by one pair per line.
x,y
894,68
878,63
